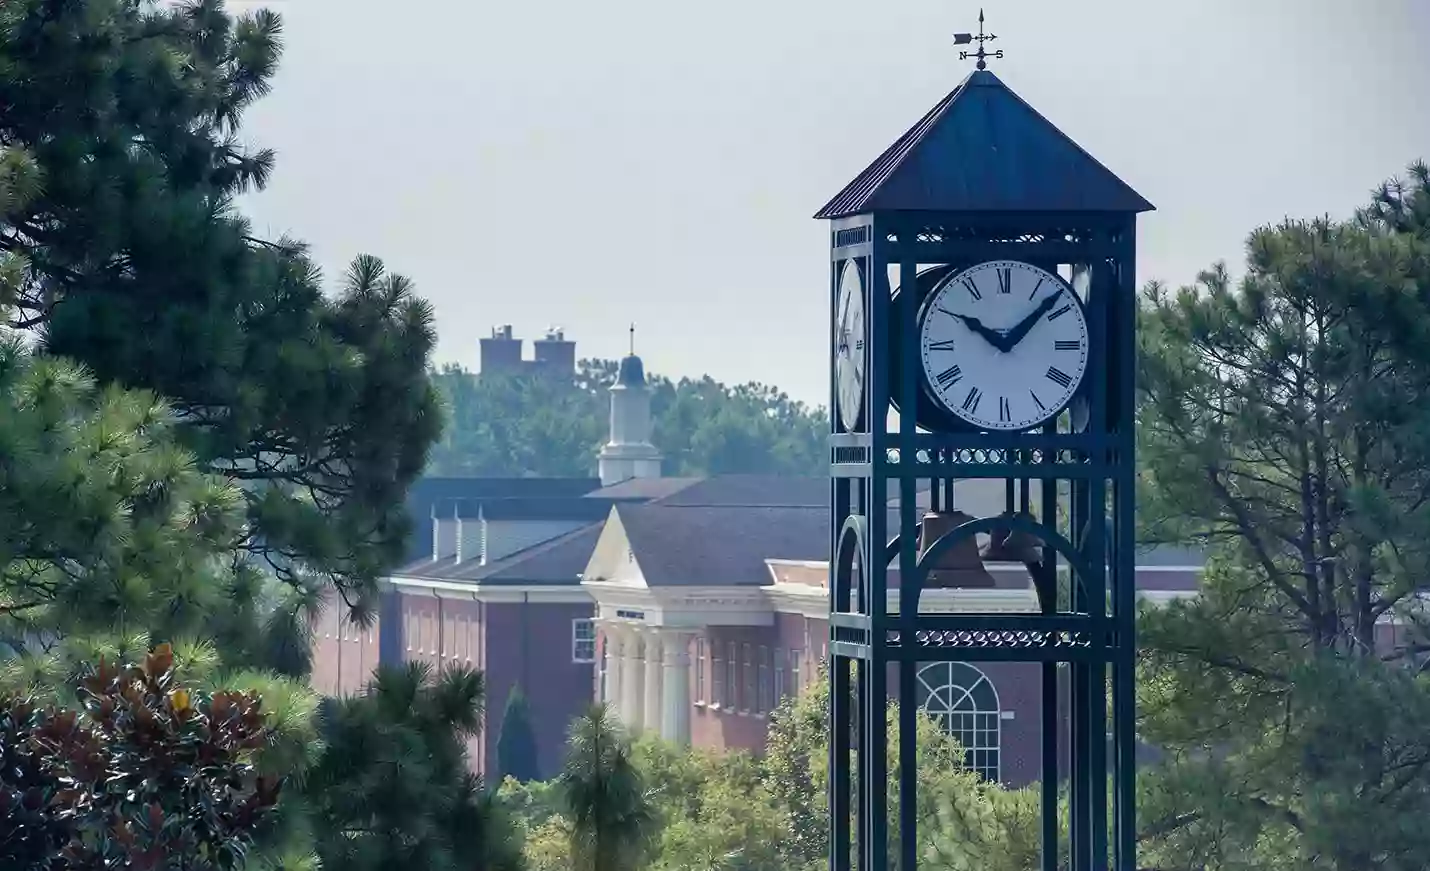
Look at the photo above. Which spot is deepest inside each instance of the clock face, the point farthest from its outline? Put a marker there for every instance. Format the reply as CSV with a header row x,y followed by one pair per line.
x,y
850,350
1004,345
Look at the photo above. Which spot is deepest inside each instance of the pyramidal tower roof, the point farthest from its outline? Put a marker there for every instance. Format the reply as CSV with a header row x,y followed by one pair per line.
x,y
984,149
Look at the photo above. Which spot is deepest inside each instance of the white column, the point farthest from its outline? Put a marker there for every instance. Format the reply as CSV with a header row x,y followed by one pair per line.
x,y
615,665
652,681
675,719
632,681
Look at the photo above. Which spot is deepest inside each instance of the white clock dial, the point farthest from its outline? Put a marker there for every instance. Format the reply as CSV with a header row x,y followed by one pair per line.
x,y
850,350
1004,345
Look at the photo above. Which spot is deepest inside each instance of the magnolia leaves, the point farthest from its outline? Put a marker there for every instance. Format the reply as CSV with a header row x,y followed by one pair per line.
x,y
147,769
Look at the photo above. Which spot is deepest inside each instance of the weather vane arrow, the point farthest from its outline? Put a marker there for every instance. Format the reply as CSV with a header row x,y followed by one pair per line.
x,y
982,39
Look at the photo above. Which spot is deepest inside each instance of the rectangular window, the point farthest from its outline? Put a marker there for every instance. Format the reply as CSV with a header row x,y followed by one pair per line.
x,y
767,702
749,702
732,677
583,640
700,670
779,669
717,676
796,679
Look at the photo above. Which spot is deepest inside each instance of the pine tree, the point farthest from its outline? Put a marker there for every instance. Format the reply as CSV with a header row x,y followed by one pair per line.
x,y
105,523
393,788
516,743
604,798
1283,427
137,266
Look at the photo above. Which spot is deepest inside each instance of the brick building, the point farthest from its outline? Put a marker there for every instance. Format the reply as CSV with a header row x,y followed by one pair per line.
x,y
690,605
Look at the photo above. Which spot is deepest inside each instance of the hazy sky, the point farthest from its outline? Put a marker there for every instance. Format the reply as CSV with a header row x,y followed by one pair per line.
x,y
587,164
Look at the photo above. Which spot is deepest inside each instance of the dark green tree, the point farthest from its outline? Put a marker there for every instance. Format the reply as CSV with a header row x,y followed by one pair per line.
x,y
516,742
515,425
136,266
1283,427
105,523
393,788
603,797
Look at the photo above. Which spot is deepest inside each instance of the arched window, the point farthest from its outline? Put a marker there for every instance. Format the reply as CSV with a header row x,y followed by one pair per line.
x,y
964,702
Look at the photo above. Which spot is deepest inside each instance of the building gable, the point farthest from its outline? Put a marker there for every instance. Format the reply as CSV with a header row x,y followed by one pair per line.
x,y
613,560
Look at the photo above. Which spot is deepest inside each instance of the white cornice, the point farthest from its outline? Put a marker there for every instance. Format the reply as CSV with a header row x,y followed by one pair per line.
x,y
536,594
814,601
680,607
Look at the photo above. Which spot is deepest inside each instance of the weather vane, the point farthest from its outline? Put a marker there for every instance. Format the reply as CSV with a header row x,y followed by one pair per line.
x,y
633,340
981,39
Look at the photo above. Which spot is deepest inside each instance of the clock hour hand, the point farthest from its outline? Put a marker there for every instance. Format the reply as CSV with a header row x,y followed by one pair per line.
x,y
993,337
1025,326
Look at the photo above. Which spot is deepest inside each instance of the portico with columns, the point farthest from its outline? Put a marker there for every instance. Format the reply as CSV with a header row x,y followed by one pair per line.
x,y
647,638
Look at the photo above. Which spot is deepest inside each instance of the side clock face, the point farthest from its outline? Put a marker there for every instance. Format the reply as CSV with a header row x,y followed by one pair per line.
x,y
1004,345
850,351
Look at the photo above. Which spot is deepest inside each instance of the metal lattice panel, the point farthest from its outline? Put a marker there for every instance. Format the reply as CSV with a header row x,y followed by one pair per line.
x,y
996,639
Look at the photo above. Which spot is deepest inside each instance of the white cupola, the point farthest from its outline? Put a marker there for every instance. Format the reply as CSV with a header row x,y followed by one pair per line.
x,y
629,452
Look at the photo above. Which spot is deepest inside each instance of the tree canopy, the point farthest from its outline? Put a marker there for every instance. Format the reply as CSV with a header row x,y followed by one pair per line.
x,y
653,805
120,124
1283,426
507,425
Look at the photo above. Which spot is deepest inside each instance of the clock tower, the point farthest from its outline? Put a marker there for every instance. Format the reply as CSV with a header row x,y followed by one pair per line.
x,y
983,308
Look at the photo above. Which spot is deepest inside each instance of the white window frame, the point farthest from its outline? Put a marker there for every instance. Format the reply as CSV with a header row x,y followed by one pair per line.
x,y
763,686
732,677
700,669
717,676
583,638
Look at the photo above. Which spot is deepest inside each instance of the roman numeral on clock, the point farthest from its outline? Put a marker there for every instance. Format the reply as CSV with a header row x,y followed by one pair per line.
x,y
1066,345
1057,313
1062,378
1036,401
1035,289
943,345
1004,412
949,376
972,288
970,402
1005,280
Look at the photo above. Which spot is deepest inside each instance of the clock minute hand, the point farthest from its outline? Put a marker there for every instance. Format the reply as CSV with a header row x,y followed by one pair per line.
x,y
1025,326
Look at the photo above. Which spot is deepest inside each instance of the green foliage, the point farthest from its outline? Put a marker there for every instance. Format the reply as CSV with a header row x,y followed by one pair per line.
x,y
54,677
136,266
392,788
658,806
148,769
535,809
516,743
796,763
104,520
604,799
964,822
512,426
712,808
1283,426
